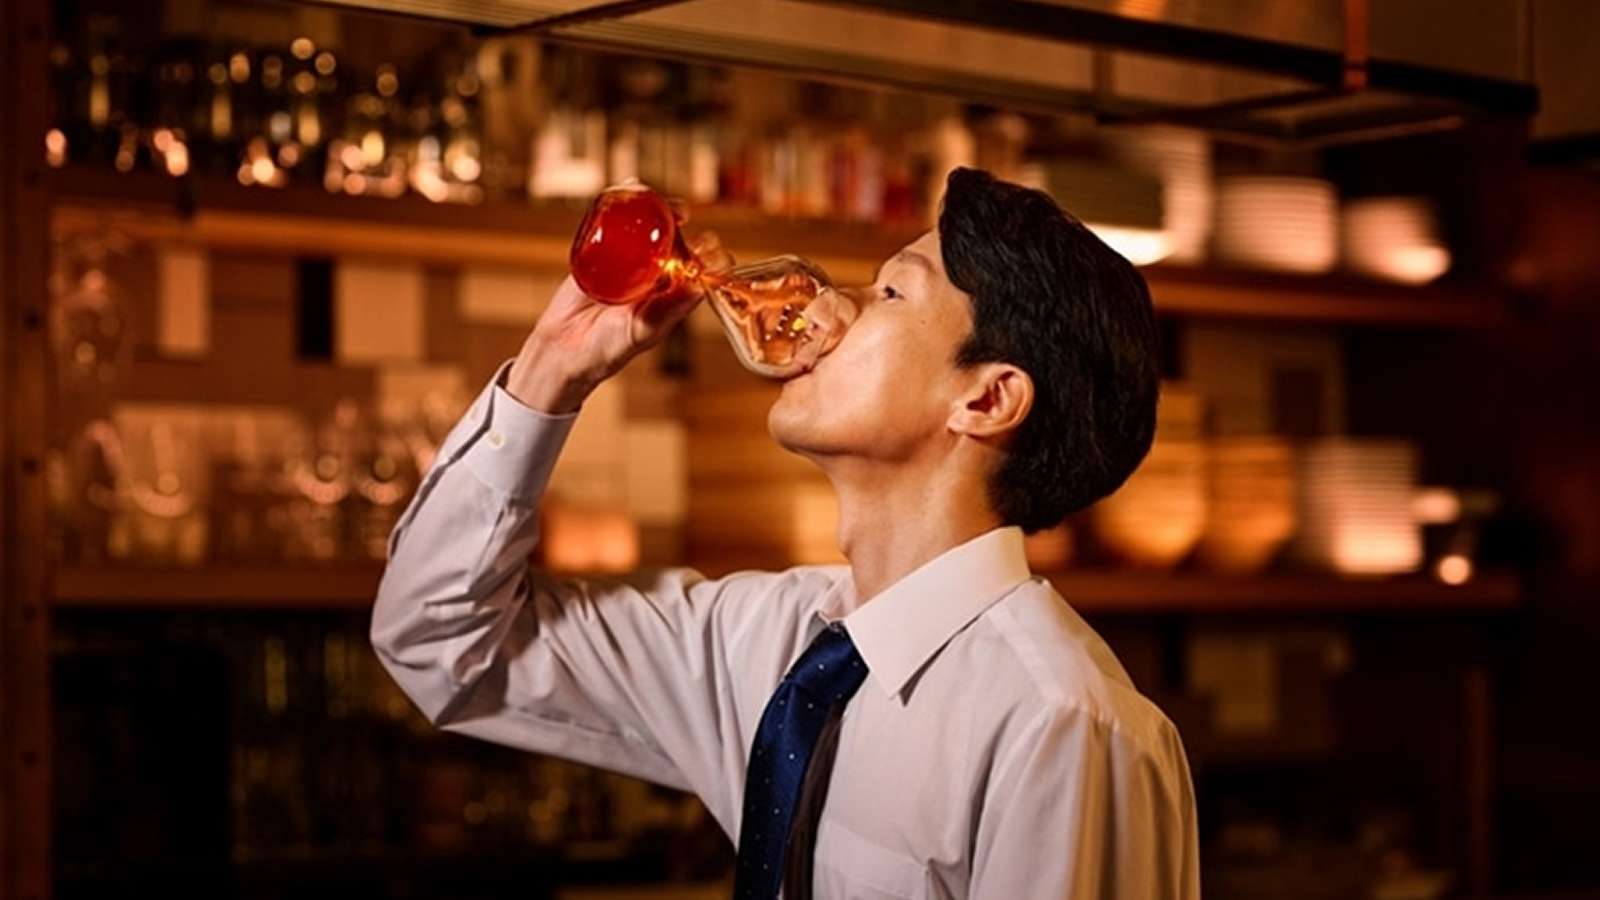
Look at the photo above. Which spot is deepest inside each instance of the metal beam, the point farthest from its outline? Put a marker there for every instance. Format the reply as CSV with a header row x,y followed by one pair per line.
x,y
687,45
597,13
617,25
1110,31
1188,43
1568,150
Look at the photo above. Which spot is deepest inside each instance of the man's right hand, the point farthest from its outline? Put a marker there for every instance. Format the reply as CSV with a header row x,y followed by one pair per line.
x,y
579,342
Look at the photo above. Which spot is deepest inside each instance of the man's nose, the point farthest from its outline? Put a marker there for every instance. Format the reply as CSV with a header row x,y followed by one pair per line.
x,y
860,296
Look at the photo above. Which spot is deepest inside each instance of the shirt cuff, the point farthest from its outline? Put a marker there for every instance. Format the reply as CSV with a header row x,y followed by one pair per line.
x,y
516,447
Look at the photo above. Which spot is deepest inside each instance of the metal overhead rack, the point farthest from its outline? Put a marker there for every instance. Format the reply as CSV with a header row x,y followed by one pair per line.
x,y
1303,73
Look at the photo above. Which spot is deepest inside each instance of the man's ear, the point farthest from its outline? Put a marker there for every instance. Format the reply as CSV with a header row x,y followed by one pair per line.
x,y
996,402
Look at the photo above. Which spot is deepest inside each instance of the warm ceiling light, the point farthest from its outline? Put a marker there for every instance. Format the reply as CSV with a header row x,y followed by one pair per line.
x,y
55,148
1416,265
1454,569
1436,506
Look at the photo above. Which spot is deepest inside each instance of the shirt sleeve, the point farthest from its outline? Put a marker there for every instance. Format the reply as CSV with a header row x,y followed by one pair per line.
x,y
1083,811
629,674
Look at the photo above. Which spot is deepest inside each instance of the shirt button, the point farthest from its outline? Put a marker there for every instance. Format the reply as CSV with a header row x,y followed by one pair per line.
x,y
496,440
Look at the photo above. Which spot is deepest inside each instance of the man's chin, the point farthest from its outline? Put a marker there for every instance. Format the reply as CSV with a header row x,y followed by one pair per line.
x,y
780,424
788,422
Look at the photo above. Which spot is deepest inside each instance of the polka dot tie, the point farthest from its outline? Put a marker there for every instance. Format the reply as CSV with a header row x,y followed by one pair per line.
x,y
827,673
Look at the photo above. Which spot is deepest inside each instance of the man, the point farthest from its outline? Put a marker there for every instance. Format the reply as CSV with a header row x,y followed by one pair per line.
x,y
930,720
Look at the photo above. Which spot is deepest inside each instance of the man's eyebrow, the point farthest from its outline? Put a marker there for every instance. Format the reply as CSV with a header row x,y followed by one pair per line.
x,y
913,257
906,257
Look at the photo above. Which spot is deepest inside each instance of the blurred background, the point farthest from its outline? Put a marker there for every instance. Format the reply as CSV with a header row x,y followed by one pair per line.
x,y
259,255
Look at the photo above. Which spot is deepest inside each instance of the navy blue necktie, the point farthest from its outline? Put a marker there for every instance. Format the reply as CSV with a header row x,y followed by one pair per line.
x,y
827,674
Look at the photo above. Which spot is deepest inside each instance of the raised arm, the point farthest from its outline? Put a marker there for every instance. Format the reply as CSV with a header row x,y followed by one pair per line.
x,y
626,673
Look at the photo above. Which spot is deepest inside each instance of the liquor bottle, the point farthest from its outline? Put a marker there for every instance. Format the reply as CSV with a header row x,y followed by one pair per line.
x,y
304,151
215,135
705,114
400,134
371,155
283,152
174,89
448,156
780,314
425,171
463,137
107,103
68,134
570,149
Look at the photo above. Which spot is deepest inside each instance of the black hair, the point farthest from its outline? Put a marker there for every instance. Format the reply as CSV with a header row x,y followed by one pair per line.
x,y
1050,298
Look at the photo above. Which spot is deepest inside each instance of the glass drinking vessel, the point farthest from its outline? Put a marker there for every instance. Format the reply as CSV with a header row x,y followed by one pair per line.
x,y
780,314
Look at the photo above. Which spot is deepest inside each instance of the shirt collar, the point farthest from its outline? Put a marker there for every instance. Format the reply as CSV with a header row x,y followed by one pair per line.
x,y
899,630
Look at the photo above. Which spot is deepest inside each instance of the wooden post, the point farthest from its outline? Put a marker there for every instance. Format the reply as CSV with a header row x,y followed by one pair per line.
x,y
24,385
1478,706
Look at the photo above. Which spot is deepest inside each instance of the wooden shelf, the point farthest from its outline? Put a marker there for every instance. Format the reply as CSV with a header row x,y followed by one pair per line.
x,y
1111,591
1093,592
1334,299
286,586
223,214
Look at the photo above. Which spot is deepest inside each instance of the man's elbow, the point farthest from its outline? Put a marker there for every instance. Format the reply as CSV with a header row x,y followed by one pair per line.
x,y
421,681
386,626
408,663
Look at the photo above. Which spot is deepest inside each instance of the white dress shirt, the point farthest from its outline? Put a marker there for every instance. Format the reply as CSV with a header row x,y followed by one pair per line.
x,y
997,749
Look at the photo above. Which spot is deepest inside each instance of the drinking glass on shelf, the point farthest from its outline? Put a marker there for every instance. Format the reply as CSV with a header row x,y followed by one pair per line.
x,y
88,314
316,486
89,507
243,467
165,492
320,478
422,427
384,478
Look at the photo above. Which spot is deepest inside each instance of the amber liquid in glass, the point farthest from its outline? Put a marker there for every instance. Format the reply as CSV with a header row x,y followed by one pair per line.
x,y
766,302
629,248
780,314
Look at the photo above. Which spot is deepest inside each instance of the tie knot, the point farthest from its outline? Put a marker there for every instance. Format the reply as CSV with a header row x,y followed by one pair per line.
x,y
831,669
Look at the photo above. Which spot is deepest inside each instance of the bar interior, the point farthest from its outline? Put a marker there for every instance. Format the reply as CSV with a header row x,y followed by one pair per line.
x,y
258,257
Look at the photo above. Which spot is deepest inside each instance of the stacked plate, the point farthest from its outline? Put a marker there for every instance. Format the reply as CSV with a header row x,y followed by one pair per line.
x,y
1355,506
1394,238
1181,160
1277,222
1251,502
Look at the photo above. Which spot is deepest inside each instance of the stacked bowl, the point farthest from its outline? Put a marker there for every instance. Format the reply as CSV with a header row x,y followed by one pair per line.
x,y
1155,518
1251,502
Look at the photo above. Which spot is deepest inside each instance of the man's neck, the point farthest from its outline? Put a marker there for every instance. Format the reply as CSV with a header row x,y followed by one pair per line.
x,y
893,520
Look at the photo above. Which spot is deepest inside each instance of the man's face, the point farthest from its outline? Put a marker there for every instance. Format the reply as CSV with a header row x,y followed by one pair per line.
x,y
887,390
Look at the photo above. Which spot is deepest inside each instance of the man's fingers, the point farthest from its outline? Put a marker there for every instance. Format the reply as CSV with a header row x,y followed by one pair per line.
x,y
660,313
708,249
567,291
